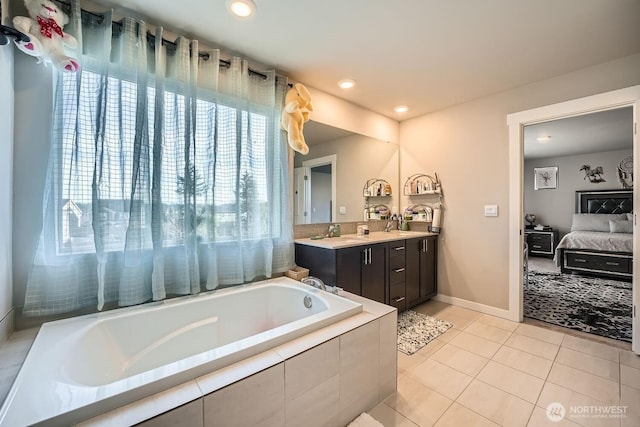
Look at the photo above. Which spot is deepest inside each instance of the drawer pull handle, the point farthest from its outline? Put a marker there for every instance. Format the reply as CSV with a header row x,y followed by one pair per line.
x,y
580,260
612,263
537,246
399,270
399,299
399,248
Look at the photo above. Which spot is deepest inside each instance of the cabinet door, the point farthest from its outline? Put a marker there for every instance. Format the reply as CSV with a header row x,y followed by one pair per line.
x,y
373,272
428,268
348,268
412,272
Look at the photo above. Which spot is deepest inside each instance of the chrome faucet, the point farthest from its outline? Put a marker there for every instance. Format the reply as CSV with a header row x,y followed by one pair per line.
x,y
317,283
314,281
389,226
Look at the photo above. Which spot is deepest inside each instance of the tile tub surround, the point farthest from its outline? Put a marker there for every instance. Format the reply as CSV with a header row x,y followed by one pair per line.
x,y
310,373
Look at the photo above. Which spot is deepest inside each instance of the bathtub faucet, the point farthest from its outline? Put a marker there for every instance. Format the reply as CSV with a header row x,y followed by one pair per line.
x,y
317,283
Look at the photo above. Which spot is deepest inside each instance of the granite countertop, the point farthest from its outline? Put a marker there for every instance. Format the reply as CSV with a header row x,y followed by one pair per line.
x,y
349,240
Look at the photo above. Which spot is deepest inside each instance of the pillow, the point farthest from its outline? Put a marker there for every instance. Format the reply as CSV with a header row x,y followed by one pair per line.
x,y
621,226
595,222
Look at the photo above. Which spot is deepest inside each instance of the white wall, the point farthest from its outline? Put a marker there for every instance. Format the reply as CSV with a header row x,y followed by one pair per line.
x,y
6,185
467,145
554,207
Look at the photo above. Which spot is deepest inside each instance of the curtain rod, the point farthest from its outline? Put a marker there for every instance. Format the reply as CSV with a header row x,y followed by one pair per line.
x,y
152,39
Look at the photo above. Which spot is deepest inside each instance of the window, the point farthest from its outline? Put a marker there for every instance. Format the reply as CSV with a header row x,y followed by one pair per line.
x,y
217,190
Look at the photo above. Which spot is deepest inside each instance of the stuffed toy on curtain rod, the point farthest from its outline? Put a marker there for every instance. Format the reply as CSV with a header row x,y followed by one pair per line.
x,y
47,39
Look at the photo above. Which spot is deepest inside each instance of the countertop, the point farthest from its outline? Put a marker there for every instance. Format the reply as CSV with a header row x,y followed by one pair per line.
x,y
349,240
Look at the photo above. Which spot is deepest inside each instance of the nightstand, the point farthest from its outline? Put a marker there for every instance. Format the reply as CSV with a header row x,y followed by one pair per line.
x,y
541,242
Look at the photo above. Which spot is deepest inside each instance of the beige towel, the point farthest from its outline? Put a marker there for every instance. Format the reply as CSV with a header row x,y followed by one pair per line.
x,y
365,420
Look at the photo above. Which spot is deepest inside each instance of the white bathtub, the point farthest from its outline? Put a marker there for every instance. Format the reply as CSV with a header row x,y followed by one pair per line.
x,y
86,365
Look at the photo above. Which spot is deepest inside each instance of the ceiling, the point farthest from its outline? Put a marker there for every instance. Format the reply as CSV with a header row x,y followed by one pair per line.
x,y
427,54
590,133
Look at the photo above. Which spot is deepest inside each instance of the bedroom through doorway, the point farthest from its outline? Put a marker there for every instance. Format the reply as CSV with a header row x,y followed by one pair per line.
x,y
578,222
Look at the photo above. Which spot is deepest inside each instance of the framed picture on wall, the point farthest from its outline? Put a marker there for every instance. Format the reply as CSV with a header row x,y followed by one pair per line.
x,y
545,178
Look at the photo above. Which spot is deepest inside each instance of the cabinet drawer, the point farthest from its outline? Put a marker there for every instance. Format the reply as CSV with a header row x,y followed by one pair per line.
x,y
540,246
397,275
397,296
598,262
396,262
397,249
540,238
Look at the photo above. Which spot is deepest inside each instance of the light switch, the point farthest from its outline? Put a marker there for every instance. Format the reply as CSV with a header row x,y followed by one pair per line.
x,y
343,210
490,210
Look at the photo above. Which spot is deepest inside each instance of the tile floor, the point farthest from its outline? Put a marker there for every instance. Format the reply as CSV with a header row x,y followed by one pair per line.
x,y
488,371
485,371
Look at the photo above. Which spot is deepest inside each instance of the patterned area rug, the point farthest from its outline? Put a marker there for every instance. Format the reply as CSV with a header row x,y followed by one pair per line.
x,y
415,330
588,304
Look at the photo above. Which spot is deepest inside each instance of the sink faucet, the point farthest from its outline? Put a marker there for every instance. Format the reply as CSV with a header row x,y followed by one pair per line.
x,y
388,227
314,281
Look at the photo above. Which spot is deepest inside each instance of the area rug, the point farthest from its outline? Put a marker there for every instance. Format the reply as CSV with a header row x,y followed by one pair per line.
x,y
415,330
588,304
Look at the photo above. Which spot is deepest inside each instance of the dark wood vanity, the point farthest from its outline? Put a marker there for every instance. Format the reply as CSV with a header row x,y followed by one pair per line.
x,y
400,272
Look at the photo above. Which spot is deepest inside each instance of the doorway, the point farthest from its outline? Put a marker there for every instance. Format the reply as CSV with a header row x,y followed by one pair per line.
x,y
586,156
628,97
315,191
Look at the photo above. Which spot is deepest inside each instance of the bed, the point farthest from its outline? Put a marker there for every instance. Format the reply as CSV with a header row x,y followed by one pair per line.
x,y
601,239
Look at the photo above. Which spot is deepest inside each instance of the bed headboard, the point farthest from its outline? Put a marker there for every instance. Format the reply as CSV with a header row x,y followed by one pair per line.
x,y
604,201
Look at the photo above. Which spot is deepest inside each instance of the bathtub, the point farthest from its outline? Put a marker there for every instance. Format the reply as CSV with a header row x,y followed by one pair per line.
x,y
83,366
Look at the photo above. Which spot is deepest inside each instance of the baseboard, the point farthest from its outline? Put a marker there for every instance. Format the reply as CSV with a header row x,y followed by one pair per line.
x,y
7,326
476,306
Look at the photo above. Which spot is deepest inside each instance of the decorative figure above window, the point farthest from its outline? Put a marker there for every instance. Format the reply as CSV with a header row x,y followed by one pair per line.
x,y
297,106
47,39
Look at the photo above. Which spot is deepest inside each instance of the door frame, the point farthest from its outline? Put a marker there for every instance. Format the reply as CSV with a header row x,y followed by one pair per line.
x,y
627,97
332,160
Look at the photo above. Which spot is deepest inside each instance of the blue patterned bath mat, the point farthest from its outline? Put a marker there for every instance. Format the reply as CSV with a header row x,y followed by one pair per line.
x,y
415,330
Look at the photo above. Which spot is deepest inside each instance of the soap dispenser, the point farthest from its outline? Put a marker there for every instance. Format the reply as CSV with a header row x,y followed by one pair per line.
x,y
336,230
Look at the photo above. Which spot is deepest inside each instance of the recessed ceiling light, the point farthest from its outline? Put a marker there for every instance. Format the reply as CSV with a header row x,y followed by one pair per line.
x,y
241,8
346,83
543,138
401,109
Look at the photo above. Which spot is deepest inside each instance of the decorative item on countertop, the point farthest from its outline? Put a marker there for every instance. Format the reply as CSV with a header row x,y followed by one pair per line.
x,y
362,230
297,273
435,224
297,106
625,173
47,39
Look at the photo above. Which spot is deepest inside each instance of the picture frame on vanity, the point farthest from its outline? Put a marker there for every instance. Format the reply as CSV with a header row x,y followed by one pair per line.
x,y
545,178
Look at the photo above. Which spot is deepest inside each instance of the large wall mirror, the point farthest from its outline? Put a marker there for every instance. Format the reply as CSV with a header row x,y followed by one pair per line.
x,y
329,180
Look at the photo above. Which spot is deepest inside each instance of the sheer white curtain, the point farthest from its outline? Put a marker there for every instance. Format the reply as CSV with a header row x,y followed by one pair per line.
x,y
168,174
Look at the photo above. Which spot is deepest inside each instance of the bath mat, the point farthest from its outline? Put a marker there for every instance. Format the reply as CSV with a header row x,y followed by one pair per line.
x,y
365,420
588,304
415,330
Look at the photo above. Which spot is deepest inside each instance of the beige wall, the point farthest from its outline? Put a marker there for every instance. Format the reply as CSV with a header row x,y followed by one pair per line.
x,y
467,145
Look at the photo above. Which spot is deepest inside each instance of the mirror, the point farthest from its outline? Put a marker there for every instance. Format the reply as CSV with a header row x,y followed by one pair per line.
x,y
337,167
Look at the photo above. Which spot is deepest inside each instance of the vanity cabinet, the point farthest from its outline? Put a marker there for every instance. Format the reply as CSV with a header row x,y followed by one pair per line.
x,y
421,276
401,273
360,270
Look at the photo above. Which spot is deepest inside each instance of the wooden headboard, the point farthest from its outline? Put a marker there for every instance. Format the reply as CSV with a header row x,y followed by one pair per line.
x,y
604,201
